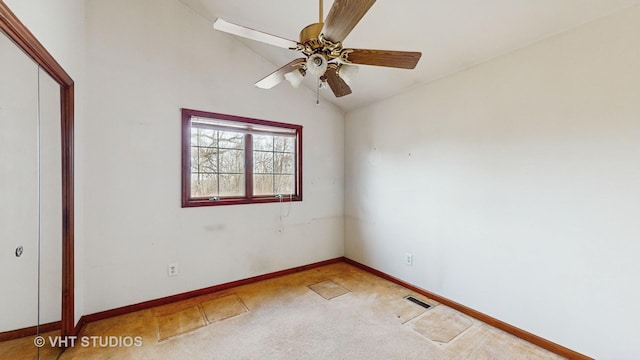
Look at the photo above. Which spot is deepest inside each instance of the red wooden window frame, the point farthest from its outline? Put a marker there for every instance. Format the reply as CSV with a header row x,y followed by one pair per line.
x,y
248,198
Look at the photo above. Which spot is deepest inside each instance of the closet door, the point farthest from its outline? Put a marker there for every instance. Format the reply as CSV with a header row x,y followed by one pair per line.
x,y
18,188
36,195
50,165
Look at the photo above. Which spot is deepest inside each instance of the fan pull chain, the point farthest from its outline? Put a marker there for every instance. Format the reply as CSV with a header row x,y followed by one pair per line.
x,y
318,93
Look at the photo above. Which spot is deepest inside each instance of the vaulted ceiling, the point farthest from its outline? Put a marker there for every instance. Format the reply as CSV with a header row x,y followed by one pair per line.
x,y
451,34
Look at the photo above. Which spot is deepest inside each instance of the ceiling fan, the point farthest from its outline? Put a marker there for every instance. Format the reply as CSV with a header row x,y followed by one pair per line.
x,y
321,44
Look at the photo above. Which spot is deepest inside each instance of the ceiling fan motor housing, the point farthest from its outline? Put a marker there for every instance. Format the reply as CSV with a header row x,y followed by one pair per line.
x,y
310,33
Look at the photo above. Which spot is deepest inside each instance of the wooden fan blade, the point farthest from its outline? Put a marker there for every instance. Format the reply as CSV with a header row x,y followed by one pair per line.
x,y
251,34
389,58
336,83
343,17
277,76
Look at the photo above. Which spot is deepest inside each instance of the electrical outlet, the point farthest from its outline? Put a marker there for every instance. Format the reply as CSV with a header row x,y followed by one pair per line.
x,y
172,269
408,259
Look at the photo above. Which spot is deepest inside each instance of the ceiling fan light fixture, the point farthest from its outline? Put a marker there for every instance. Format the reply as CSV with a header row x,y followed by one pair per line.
x,y
317,65
294,77
321,45
348,72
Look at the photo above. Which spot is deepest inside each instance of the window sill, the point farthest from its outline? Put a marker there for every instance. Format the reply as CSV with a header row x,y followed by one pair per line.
x,y
239,201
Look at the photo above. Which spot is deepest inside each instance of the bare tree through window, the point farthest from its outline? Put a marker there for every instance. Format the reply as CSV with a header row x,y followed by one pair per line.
x,y
241,161
217,163
274,165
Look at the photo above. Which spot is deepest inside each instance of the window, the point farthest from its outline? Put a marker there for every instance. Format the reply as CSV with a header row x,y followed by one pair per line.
x,y
234,160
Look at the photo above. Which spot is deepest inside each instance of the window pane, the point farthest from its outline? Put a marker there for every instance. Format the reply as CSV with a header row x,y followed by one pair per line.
x,y
231,161
262,162
195,133
208,160
263,142
231,185
203,137
284,184
231,140
204,185
284,144
195,160
283,163
208,137
263,185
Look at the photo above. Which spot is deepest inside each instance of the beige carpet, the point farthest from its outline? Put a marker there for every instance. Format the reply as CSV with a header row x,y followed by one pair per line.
x,y
333,312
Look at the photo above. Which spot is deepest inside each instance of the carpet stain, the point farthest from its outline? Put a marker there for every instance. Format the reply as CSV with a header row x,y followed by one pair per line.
x,y
223,308
406,310
328,289
180,322
441,324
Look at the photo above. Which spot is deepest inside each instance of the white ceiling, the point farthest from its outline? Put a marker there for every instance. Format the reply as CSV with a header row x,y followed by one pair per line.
x,y
451,34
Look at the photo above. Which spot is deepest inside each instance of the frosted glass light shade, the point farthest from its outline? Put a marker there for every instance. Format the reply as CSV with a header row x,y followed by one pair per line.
x,y
317,65
294,77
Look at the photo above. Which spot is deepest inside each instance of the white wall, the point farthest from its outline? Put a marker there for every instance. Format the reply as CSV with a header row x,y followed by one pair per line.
x,y
515,186
146,59
59,26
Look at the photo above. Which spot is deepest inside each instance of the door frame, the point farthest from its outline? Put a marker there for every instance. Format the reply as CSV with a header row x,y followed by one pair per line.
x,y
25,40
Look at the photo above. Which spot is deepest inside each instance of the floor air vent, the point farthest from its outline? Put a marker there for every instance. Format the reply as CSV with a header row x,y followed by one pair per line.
x,y
418,301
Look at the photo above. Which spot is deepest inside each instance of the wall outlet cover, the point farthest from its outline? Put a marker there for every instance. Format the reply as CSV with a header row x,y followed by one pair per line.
x,y
172,269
